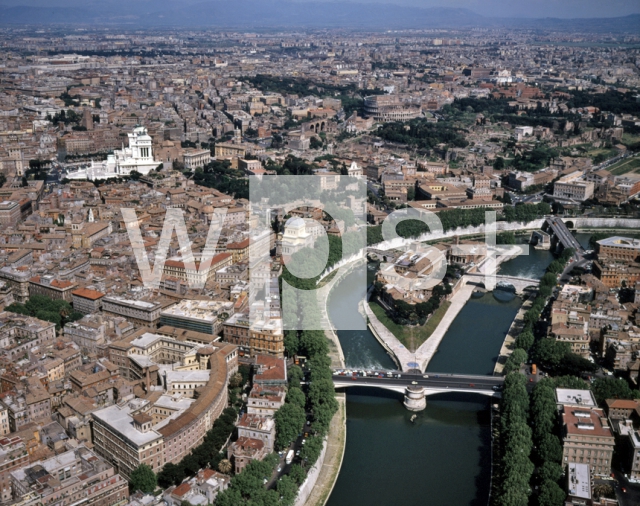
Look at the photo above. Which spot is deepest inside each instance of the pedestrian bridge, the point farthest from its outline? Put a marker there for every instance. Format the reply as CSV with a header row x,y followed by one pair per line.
x,y
518,283
417,387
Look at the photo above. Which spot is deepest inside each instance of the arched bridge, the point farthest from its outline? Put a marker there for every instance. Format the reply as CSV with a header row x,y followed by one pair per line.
x,y
518,283
417,387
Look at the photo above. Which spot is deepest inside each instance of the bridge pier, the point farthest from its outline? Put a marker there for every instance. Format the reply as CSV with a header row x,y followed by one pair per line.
x,y
415,398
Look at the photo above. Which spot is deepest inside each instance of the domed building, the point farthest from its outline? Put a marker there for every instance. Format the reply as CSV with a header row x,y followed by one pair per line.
x,y
295,236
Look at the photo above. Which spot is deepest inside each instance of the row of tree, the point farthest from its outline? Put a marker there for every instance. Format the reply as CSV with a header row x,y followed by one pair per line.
x,y
207,454
547,446
515,441
246,488
459,218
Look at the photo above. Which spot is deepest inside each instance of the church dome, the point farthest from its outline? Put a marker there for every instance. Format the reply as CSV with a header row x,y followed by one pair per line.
x,y
294,223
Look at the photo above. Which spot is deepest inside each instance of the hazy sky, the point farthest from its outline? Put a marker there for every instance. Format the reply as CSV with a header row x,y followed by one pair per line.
x,y
532,8
489,8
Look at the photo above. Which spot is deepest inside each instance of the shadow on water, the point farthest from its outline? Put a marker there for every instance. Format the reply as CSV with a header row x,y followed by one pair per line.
x,y
442,458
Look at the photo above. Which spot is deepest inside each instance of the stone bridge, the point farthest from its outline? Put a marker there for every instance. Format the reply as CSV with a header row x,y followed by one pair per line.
x,y
561,236
417,387
518,283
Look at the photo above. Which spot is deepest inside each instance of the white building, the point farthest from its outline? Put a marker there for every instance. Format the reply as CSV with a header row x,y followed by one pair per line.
x,y
138,156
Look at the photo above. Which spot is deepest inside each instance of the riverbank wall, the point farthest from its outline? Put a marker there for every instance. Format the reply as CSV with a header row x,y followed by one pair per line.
x,y
515,226
320,481
510,339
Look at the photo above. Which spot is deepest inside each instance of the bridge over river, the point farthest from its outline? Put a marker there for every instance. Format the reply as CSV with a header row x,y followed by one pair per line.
x,y
518,283
417,387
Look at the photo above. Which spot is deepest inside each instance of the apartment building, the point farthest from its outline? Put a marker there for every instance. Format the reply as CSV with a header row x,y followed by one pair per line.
x,y
196,276
86,333
10,213
587,439
74,477
86,301
236,331
206,316
258,427
165,428
13,455
265,400
138,312
20,333
193,158
624,249
50,287
18,280
573,186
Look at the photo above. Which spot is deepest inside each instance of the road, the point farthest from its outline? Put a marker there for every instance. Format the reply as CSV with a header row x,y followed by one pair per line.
x,y
428,380
565,236
628,493
283,468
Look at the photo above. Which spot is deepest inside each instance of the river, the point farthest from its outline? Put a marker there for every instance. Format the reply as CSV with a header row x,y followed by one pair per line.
x,y
443,457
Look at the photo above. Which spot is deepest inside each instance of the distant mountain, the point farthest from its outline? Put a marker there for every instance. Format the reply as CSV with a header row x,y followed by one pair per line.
x,y
286,14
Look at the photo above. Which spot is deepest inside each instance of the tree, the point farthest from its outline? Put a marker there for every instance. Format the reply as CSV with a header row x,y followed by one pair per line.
x,y
312,450
315,143
550,471
551,494
296,396
224,466
515,360
135,175
498,164
236,380
295,375
550,448
171,474
297,473
525,339
550,352
612,388
290,419
287,488
143,479
291,342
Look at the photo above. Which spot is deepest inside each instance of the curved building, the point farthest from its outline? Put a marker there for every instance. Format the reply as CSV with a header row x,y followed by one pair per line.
x,y
188,393
389,108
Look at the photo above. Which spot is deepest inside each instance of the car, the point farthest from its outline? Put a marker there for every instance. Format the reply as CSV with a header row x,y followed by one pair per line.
x,y
530,380
264,482
624,490
279,469
496,387
304,441
354,378
414,382
298,453
472,384
425,376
